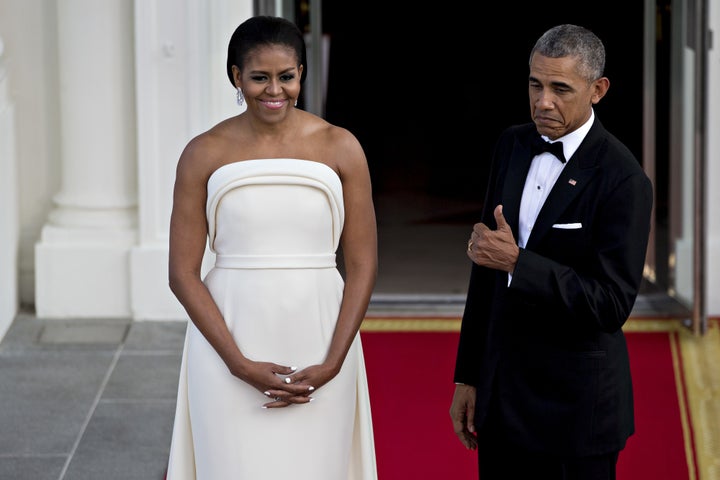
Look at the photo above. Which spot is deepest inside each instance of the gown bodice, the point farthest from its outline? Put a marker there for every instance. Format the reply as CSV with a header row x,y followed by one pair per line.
x,y
274,213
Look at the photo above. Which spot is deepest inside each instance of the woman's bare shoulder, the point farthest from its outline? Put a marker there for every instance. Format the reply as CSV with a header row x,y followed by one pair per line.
x,y
344,149
205,152
332,139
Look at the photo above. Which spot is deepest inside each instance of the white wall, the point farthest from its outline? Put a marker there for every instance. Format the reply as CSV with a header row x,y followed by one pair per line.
x,y
9,225
29,32
712,178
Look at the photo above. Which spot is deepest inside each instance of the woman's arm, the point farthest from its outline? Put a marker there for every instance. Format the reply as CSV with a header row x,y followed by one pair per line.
x,y
188,237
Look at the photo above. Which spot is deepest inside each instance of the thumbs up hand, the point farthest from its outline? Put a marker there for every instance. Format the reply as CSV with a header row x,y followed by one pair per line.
x,y
494,248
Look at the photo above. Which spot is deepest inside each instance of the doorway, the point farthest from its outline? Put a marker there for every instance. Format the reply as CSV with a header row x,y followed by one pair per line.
x,y
403,81
418,114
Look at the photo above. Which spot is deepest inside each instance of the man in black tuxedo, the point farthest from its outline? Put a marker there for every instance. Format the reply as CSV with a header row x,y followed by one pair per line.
x,y
543,385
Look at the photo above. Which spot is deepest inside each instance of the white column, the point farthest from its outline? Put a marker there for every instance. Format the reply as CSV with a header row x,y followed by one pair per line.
x,y
82,265
9,227
180,51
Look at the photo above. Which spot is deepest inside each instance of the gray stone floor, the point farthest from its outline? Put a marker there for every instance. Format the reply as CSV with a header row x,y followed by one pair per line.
x,y
87,400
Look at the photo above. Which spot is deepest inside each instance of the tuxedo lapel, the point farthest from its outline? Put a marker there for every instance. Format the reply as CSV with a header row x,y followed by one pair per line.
x,y
514,182
576,175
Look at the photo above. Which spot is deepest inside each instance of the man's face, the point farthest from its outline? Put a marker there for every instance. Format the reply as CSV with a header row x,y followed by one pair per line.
x,y
560,98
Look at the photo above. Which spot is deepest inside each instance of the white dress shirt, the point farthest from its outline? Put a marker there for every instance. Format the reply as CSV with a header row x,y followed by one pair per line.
x,y
544,172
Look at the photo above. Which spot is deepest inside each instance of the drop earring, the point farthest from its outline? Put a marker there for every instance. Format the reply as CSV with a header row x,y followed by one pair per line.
x,y
240,97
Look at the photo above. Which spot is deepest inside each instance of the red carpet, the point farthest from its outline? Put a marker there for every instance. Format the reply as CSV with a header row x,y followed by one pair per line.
x,y
410,375
657,450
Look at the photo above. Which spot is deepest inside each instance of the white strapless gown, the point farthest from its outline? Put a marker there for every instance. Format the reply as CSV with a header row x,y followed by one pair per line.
x,y
274,225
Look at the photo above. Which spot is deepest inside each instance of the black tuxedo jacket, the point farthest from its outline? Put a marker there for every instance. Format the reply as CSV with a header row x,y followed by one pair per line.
x,y
549,347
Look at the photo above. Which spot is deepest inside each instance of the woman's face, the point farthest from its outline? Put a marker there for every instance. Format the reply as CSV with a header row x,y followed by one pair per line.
x,y
270,81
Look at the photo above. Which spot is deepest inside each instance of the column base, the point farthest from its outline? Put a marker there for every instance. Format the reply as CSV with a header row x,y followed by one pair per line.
x,y
684,270
152,298
83,273
151,295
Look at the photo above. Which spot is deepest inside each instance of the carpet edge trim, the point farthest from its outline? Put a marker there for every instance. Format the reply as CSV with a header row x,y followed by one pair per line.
x,y
452,324
702,384
683,404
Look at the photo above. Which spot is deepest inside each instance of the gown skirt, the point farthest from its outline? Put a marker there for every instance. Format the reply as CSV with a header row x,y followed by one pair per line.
x,y
274,226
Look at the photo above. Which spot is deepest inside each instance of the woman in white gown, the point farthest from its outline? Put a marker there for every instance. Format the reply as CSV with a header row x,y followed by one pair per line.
x,y
272,381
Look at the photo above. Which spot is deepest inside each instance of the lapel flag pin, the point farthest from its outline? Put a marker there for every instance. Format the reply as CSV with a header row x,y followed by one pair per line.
x,y
572,182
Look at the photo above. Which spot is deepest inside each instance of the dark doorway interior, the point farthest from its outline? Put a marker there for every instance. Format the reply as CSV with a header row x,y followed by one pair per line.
x,y
405,81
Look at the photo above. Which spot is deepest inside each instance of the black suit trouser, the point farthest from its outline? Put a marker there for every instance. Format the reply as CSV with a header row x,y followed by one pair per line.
x,y
500,459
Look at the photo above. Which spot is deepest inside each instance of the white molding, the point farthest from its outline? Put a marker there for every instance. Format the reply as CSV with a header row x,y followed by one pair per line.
x,y
712,167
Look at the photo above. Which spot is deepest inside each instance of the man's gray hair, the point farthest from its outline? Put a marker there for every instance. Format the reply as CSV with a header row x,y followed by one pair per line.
x,y
573,41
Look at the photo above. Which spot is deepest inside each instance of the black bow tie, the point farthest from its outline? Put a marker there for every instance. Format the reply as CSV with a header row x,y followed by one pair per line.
x,y
539,146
